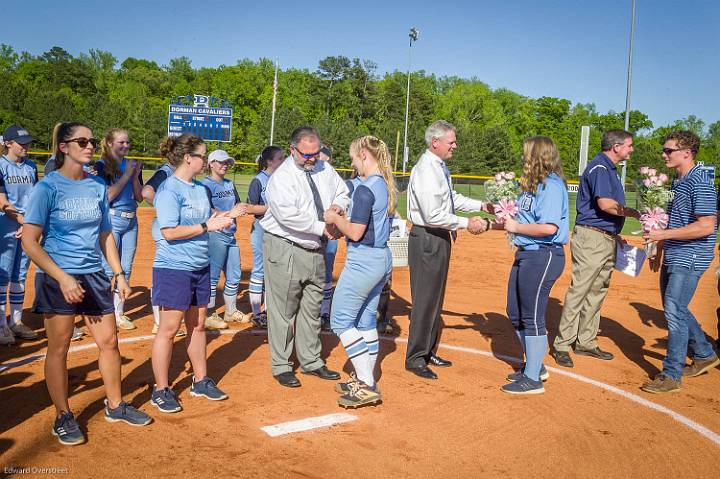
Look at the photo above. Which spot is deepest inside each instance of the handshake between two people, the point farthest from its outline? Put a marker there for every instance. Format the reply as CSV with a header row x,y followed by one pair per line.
x,y
332,216
478,224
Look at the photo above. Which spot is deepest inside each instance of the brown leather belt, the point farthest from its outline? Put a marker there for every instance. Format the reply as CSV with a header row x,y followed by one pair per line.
x,y
599,230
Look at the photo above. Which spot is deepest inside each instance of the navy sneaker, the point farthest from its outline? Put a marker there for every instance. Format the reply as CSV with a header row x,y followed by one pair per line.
x,y
544,374
127,414
207,388
524,385
165,400
67,430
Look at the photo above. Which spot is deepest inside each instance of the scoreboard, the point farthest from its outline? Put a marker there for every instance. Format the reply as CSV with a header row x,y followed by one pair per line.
x,y
200,119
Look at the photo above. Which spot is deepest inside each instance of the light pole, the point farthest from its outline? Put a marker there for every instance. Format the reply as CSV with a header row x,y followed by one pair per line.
x,y
629,84
274,102
414,32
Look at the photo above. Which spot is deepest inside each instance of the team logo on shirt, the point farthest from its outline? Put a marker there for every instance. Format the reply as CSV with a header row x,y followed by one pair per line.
x,y
19,180
79,208
526,202
196,210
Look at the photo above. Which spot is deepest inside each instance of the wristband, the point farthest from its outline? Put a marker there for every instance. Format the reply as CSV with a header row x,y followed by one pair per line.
x,y
204,227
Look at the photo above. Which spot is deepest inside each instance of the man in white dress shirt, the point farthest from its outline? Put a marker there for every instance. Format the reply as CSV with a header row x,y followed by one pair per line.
x,y
431,209
298,194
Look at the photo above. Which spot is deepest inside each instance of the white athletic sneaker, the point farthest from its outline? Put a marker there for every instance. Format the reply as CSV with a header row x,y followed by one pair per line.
x,y
214,322
6,336
180,333
237,317
77,334
22,331
125,323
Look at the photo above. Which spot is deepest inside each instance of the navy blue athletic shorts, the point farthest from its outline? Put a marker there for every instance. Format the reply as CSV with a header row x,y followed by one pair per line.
x,y
97,301
178,289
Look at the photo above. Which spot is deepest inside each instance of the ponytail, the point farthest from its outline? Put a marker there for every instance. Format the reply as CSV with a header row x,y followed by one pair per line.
x,y
379,150
266,155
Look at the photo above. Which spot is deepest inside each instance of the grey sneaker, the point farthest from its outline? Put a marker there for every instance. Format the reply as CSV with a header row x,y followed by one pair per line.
x,y
524,385
77,334
661,384
165,400
207,388
22,331
544,374
67,430
359,395
127,414
700,366
344,388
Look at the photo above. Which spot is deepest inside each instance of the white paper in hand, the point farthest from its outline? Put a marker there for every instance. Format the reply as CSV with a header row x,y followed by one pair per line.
x,y
629,259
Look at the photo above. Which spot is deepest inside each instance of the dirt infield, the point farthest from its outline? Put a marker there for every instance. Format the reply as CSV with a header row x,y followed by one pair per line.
x,y
458,426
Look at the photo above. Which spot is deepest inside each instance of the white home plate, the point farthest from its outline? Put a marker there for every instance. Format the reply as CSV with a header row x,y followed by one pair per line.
x,y
307,424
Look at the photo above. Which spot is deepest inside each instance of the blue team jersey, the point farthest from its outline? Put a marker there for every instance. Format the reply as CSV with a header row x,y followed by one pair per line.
x,y
72,214
223,196
549,205
181,203
599,180
694,195
125,200
157,179
370,207
256,190
17,181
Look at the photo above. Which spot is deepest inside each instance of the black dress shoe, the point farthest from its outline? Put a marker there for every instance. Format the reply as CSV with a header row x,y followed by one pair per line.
x,y
562,358
595,352
288,379
423,371
440,362
324,373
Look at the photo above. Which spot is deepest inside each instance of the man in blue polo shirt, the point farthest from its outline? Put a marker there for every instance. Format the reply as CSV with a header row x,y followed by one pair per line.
x,y
600,217
688,244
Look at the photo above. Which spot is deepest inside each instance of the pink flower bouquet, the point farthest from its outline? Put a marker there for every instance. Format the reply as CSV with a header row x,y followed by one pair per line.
x,y
655,198
502,191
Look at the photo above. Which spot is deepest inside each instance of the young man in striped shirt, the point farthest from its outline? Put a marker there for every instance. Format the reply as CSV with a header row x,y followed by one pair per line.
x,y
688,244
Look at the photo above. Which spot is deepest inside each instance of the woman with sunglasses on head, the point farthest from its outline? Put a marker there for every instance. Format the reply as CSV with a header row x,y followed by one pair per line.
x,y
270,158
18,175
541,230
367,267
123,178
66,220
181,270
224,251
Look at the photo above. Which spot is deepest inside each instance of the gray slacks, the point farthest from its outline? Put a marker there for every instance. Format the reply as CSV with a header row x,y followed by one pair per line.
x,y
294,281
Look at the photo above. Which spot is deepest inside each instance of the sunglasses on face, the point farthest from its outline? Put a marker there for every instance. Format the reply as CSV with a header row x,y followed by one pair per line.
x,y
307,156
83,142
196,155
670,151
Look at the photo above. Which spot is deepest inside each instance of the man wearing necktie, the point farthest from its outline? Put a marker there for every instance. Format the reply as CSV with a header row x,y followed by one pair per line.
x,y
431,209
298,193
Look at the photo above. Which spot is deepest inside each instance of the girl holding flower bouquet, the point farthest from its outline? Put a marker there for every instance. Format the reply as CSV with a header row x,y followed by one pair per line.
x,y
540,230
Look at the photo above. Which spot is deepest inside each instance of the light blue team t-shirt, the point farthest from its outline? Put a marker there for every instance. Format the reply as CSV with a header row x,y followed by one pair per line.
x,y
223,197
17,181
181,203
549,205
370,207
72,214
125,200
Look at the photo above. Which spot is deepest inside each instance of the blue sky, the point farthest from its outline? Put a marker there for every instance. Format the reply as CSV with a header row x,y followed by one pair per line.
x,y
575,49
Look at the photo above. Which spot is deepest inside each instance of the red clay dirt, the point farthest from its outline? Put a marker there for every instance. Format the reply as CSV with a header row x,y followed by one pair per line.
x,y
461,425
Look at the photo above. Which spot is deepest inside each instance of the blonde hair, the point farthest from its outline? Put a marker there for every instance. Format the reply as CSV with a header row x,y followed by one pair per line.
x,y
112,169
541,158
379,150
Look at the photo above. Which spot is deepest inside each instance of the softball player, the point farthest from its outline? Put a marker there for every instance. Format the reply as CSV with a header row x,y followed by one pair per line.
x,y
224,251
66,219
181,269
367,267
270,158
541,230
123,178
18,175
331,247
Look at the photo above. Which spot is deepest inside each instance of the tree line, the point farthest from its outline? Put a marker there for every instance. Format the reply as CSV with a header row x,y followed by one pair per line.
x,y
344,98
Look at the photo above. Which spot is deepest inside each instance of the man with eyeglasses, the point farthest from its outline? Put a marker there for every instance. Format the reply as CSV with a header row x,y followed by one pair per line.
x,y
601,213
688,246
298,193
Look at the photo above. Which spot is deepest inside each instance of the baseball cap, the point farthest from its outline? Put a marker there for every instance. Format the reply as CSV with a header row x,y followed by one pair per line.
x,y
18,134
220,156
